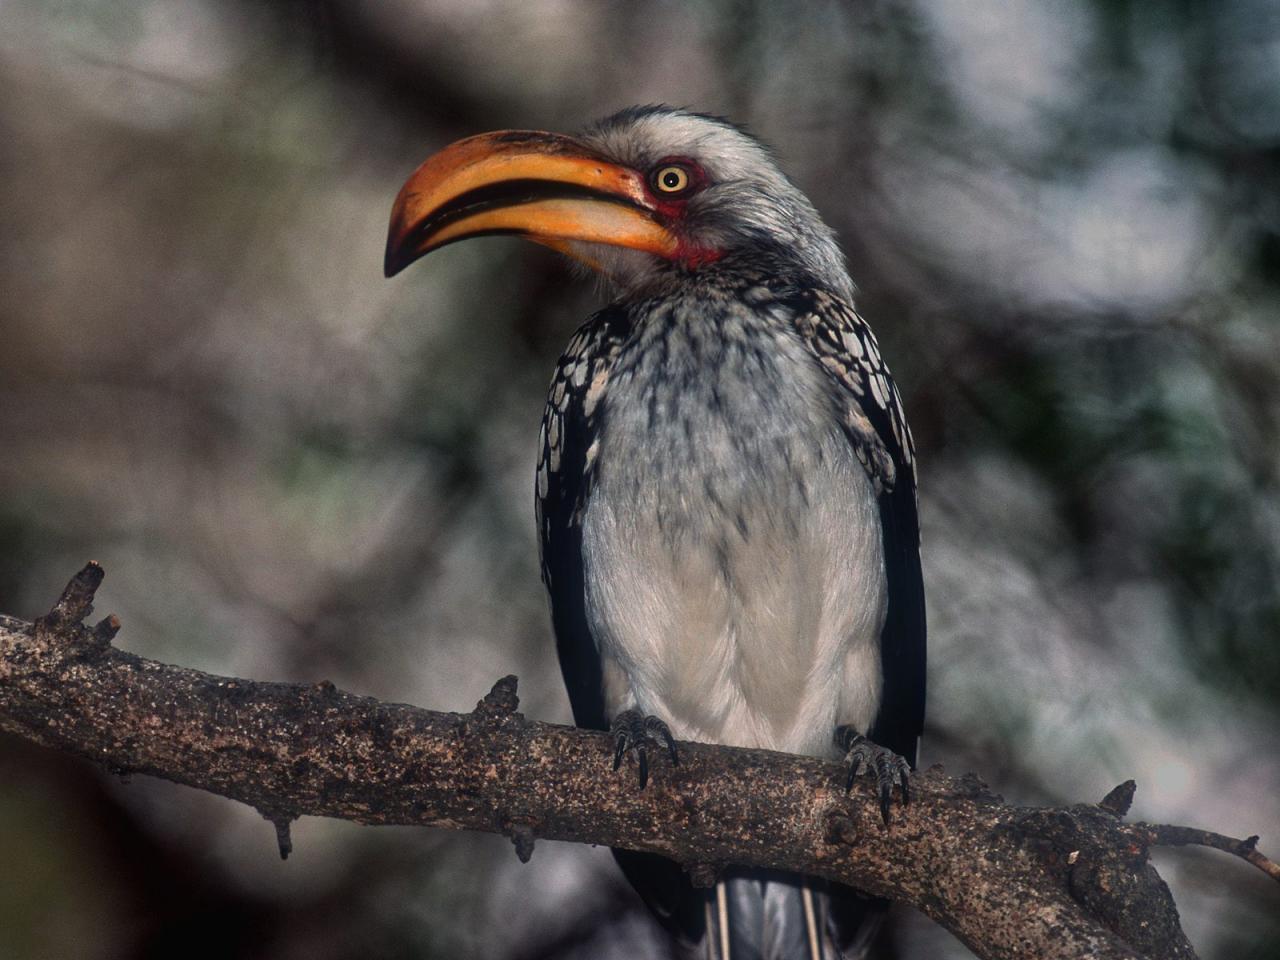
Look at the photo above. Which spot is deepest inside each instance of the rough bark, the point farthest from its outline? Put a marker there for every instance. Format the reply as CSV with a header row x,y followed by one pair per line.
x,y
1008,881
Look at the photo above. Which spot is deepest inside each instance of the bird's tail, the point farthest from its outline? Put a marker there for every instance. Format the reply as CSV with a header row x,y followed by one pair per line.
x,y
780,916
755,914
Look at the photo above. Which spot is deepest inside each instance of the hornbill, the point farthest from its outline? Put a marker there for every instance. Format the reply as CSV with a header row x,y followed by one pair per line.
x,y
725,486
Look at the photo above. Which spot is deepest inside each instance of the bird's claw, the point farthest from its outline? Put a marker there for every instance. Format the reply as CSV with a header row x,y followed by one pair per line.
x,y
886,766
635,731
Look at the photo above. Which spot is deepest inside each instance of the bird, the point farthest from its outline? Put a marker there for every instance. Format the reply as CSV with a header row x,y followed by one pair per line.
x,y
726,483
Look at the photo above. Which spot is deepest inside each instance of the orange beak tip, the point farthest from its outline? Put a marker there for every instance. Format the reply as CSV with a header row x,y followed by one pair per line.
x,y
402,249
392,261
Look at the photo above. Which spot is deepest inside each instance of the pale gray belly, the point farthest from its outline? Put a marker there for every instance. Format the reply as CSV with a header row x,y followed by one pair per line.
x,y
734,566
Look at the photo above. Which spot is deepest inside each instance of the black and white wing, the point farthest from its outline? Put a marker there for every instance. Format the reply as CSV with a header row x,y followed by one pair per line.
x,y
566,467
877,426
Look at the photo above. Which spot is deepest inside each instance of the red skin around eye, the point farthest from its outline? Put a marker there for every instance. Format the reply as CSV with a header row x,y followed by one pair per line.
x,y
692,256
673,208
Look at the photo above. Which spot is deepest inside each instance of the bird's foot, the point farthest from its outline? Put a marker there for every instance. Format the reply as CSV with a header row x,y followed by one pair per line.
x,y
883,764
633,732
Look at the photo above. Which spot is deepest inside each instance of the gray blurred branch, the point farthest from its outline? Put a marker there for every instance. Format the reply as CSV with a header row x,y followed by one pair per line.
x,y
1008,881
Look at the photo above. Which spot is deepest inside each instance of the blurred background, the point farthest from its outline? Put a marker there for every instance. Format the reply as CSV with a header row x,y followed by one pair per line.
x,y
1064,217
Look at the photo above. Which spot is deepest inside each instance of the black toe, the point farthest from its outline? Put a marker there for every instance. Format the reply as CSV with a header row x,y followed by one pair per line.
x,y
634,732
883,764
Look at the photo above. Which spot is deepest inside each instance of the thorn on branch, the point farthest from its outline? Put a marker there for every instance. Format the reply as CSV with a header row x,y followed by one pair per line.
x,y
974,787
1120,798
65,622
76,601
284,839
499,703
522,837
106,630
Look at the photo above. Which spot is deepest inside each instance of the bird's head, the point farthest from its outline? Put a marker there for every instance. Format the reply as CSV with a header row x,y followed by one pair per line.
x,y
647,197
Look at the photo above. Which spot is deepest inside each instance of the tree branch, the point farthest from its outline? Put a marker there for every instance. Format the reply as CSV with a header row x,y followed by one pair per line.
x,y
1008,881
1167,835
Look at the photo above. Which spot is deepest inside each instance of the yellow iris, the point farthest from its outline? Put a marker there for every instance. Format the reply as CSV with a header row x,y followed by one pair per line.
x,y
671,179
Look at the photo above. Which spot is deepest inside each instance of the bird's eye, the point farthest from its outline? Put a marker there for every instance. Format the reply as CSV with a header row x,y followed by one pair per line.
x,y
671,179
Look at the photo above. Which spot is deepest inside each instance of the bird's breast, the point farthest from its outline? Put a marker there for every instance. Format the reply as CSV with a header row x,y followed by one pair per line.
x,y
733,560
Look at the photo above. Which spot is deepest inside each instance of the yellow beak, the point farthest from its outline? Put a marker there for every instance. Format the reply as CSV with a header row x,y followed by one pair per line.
x,y
547,187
